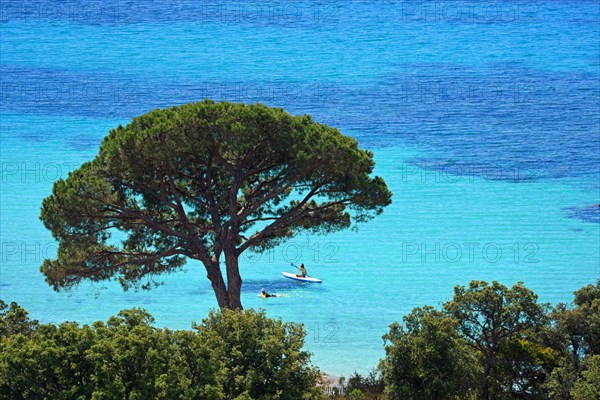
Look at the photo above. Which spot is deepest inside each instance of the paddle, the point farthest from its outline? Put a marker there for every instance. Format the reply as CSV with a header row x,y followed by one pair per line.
x,y
294,265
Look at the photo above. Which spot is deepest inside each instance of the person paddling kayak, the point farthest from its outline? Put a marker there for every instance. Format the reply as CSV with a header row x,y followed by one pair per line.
x,y
303,273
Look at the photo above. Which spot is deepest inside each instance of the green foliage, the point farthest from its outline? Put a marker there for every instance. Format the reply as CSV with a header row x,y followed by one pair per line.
x,y
587,386
503,326
195,181
370,384
522,366
426,358
229,356
124,358
501,336
355,394
559,384
485,331
15,319
138,361
581,325
263,357
577,330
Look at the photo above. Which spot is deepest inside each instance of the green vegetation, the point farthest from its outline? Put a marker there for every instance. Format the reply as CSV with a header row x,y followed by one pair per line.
x,y
587,387
239,355
205,181
494,342
426,358
488,342
503,326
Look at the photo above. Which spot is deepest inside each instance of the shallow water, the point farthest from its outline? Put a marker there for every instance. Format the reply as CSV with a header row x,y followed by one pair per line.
x,y
483,118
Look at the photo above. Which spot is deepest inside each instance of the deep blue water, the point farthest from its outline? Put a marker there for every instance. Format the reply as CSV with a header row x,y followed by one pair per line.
x,y
484,118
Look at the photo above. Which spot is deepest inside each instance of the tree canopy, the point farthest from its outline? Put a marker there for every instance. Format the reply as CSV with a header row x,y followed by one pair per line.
x,y
204,181
577,331
237,355
244,355
494,320
426,358
489,342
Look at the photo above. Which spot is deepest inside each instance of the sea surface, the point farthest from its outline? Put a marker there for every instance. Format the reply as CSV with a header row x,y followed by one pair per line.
x,y
484,117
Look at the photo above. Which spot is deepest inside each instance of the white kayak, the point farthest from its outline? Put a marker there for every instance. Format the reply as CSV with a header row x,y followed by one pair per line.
x,y
291,275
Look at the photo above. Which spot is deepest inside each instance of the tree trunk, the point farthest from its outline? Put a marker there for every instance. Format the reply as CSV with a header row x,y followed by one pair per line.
x,y
485,384
485,387
228,296
234,280
218,284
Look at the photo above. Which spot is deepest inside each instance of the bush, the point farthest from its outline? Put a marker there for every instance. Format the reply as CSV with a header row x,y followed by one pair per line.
x,y
370,385
587,387
15,319
240,355
262,357
123,358
355,394
426,358
495,342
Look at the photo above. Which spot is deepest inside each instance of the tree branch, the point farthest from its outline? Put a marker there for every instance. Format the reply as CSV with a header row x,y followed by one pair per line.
x,y
202,253
281,222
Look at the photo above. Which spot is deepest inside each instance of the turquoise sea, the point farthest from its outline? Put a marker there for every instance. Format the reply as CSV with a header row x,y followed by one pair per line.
x,y
484,118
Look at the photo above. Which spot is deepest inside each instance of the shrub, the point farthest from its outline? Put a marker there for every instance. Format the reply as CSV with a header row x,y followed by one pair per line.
x,y
262,357
426,358
355,394
241,355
